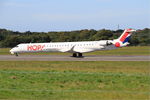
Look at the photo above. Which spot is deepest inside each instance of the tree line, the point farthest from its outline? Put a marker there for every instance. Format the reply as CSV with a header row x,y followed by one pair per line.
x,y
10,38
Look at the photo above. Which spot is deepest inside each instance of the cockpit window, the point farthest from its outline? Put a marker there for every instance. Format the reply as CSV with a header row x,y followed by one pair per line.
x,y
16,46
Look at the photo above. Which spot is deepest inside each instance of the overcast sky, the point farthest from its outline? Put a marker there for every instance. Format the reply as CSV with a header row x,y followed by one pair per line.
x,y
66,15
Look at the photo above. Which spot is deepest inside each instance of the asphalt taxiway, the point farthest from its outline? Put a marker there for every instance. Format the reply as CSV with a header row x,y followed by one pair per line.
x,y
69,58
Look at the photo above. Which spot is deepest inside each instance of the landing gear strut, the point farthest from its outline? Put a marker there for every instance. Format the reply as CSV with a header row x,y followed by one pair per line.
x,y
16,54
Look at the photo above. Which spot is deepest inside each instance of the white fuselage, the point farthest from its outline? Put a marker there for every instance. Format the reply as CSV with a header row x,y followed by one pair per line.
x,y
72,47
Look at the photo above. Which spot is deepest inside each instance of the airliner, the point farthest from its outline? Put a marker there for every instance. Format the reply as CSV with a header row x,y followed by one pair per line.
x,y
76,48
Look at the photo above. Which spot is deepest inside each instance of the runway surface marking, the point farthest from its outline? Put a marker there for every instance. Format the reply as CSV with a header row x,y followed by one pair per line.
x,y
69,58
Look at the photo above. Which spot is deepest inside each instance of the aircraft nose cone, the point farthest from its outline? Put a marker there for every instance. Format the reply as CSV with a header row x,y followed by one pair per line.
x,y
11,51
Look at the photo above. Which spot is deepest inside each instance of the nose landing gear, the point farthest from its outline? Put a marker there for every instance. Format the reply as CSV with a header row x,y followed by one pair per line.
x,y
16,54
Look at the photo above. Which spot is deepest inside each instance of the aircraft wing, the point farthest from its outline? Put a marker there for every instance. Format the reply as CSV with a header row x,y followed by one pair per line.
x,y
79,49
68,50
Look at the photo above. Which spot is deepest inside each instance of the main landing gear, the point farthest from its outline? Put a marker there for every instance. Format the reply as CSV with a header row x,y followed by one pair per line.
x,y
77,55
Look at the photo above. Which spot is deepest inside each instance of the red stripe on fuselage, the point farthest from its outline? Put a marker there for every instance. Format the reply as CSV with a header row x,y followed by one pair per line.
x,y
124,36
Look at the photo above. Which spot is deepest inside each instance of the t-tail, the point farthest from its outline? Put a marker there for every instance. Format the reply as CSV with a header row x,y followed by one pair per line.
x,y
124,38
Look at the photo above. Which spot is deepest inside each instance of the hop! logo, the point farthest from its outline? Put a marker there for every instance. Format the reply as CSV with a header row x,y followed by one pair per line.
x,y
35,47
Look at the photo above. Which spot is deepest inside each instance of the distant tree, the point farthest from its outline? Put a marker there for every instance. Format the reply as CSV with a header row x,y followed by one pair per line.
x,y
10,41
91,34
1,37
84,35
9,38
74,35
103,35
28,33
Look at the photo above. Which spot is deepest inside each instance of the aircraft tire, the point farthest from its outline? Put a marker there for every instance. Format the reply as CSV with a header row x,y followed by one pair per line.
x,y
80,55
74,55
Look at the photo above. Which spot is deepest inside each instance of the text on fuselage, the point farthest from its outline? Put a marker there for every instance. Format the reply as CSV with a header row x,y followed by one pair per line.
x,y
35,47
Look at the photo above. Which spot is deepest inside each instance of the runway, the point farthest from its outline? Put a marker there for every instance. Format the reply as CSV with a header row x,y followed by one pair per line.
x,y
68,58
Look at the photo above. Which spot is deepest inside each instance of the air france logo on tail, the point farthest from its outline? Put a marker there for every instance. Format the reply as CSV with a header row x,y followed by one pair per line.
x,y
124,38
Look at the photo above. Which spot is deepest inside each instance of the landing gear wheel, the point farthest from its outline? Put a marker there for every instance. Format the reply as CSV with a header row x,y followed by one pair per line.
x,y
74,55
80,55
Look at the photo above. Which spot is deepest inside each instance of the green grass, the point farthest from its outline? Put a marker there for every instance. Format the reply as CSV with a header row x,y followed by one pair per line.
x,y
138,50
103,80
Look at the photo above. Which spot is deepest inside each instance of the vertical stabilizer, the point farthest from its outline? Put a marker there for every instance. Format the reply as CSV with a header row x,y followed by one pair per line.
x,y
124,38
